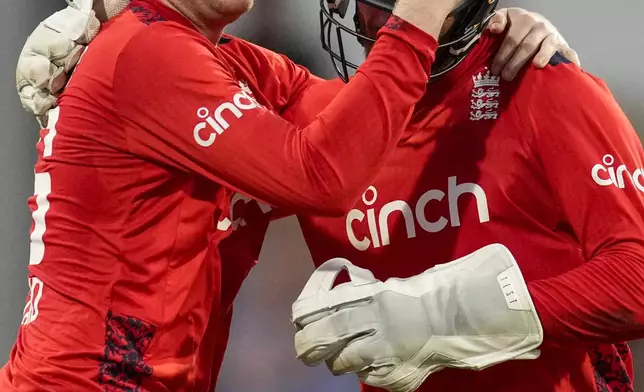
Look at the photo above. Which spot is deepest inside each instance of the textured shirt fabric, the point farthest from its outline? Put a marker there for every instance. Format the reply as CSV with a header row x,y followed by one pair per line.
x,y
547,165
135,179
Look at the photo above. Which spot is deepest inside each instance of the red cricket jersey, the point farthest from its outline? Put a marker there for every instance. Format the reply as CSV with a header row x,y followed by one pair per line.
x,y
239,253
547,165
133,186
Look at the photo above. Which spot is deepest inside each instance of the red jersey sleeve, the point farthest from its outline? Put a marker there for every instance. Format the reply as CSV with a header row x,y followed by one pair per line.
x,y
308,105
182,105
593,161
286,81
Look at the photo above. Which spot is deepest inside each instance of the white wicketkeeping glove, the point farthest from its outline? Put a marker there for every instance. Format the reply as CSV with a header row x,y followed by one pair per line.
x,y
54,49
471,313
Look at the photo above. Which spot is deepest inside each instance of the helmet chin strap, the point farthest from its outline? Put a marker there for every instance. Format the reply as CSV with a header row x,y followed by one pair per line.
x,y
473,32
457,52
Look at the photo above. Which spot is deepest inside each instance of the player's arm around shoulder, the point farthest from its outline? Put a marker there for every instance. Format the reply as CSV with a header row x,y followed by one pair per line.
x,y
185,106
305,109
280,80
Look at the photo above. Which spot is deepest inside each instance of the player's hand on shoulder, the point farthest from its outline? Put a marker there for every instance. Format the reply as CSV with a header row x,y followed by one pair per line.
x,y
54,48
528,37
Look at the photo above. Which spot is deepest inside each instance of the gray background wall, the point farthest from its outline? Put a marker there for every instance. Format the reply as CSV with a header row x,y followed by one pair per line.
x,y
18,136
261,356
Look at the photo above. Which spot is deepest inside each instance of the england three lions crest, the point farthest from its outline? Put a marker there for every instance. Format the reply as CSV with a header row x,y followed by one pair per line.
x,y
485,97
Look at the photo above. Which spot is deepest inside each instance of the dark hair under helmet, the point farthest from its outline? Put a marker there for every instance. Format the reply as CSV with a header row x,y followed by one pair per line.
x,y
471,18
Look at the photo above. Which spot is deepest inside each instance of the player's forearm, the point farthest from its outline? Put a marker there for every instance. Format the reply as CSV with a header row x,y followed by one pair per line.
x,y
599,302
354,135
323,168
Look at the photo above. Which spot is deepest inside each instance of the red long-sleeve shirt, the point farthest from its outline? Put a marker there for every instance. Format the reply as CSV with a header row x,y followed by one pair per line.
x,y
547,165
135,173
194,110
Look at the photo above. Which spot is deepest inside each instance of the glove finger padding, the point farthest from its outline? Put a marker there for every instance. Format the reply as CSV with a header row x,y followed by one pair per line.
x,y
357,356
316,311
319,297
472,313
51,52
37,102
325,338
54,49
42,67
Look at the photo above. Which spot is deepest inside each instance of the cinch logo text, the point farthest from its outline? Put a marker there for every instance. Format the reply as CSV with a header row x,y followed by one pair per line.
x,y
216,124
607,175
378,221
